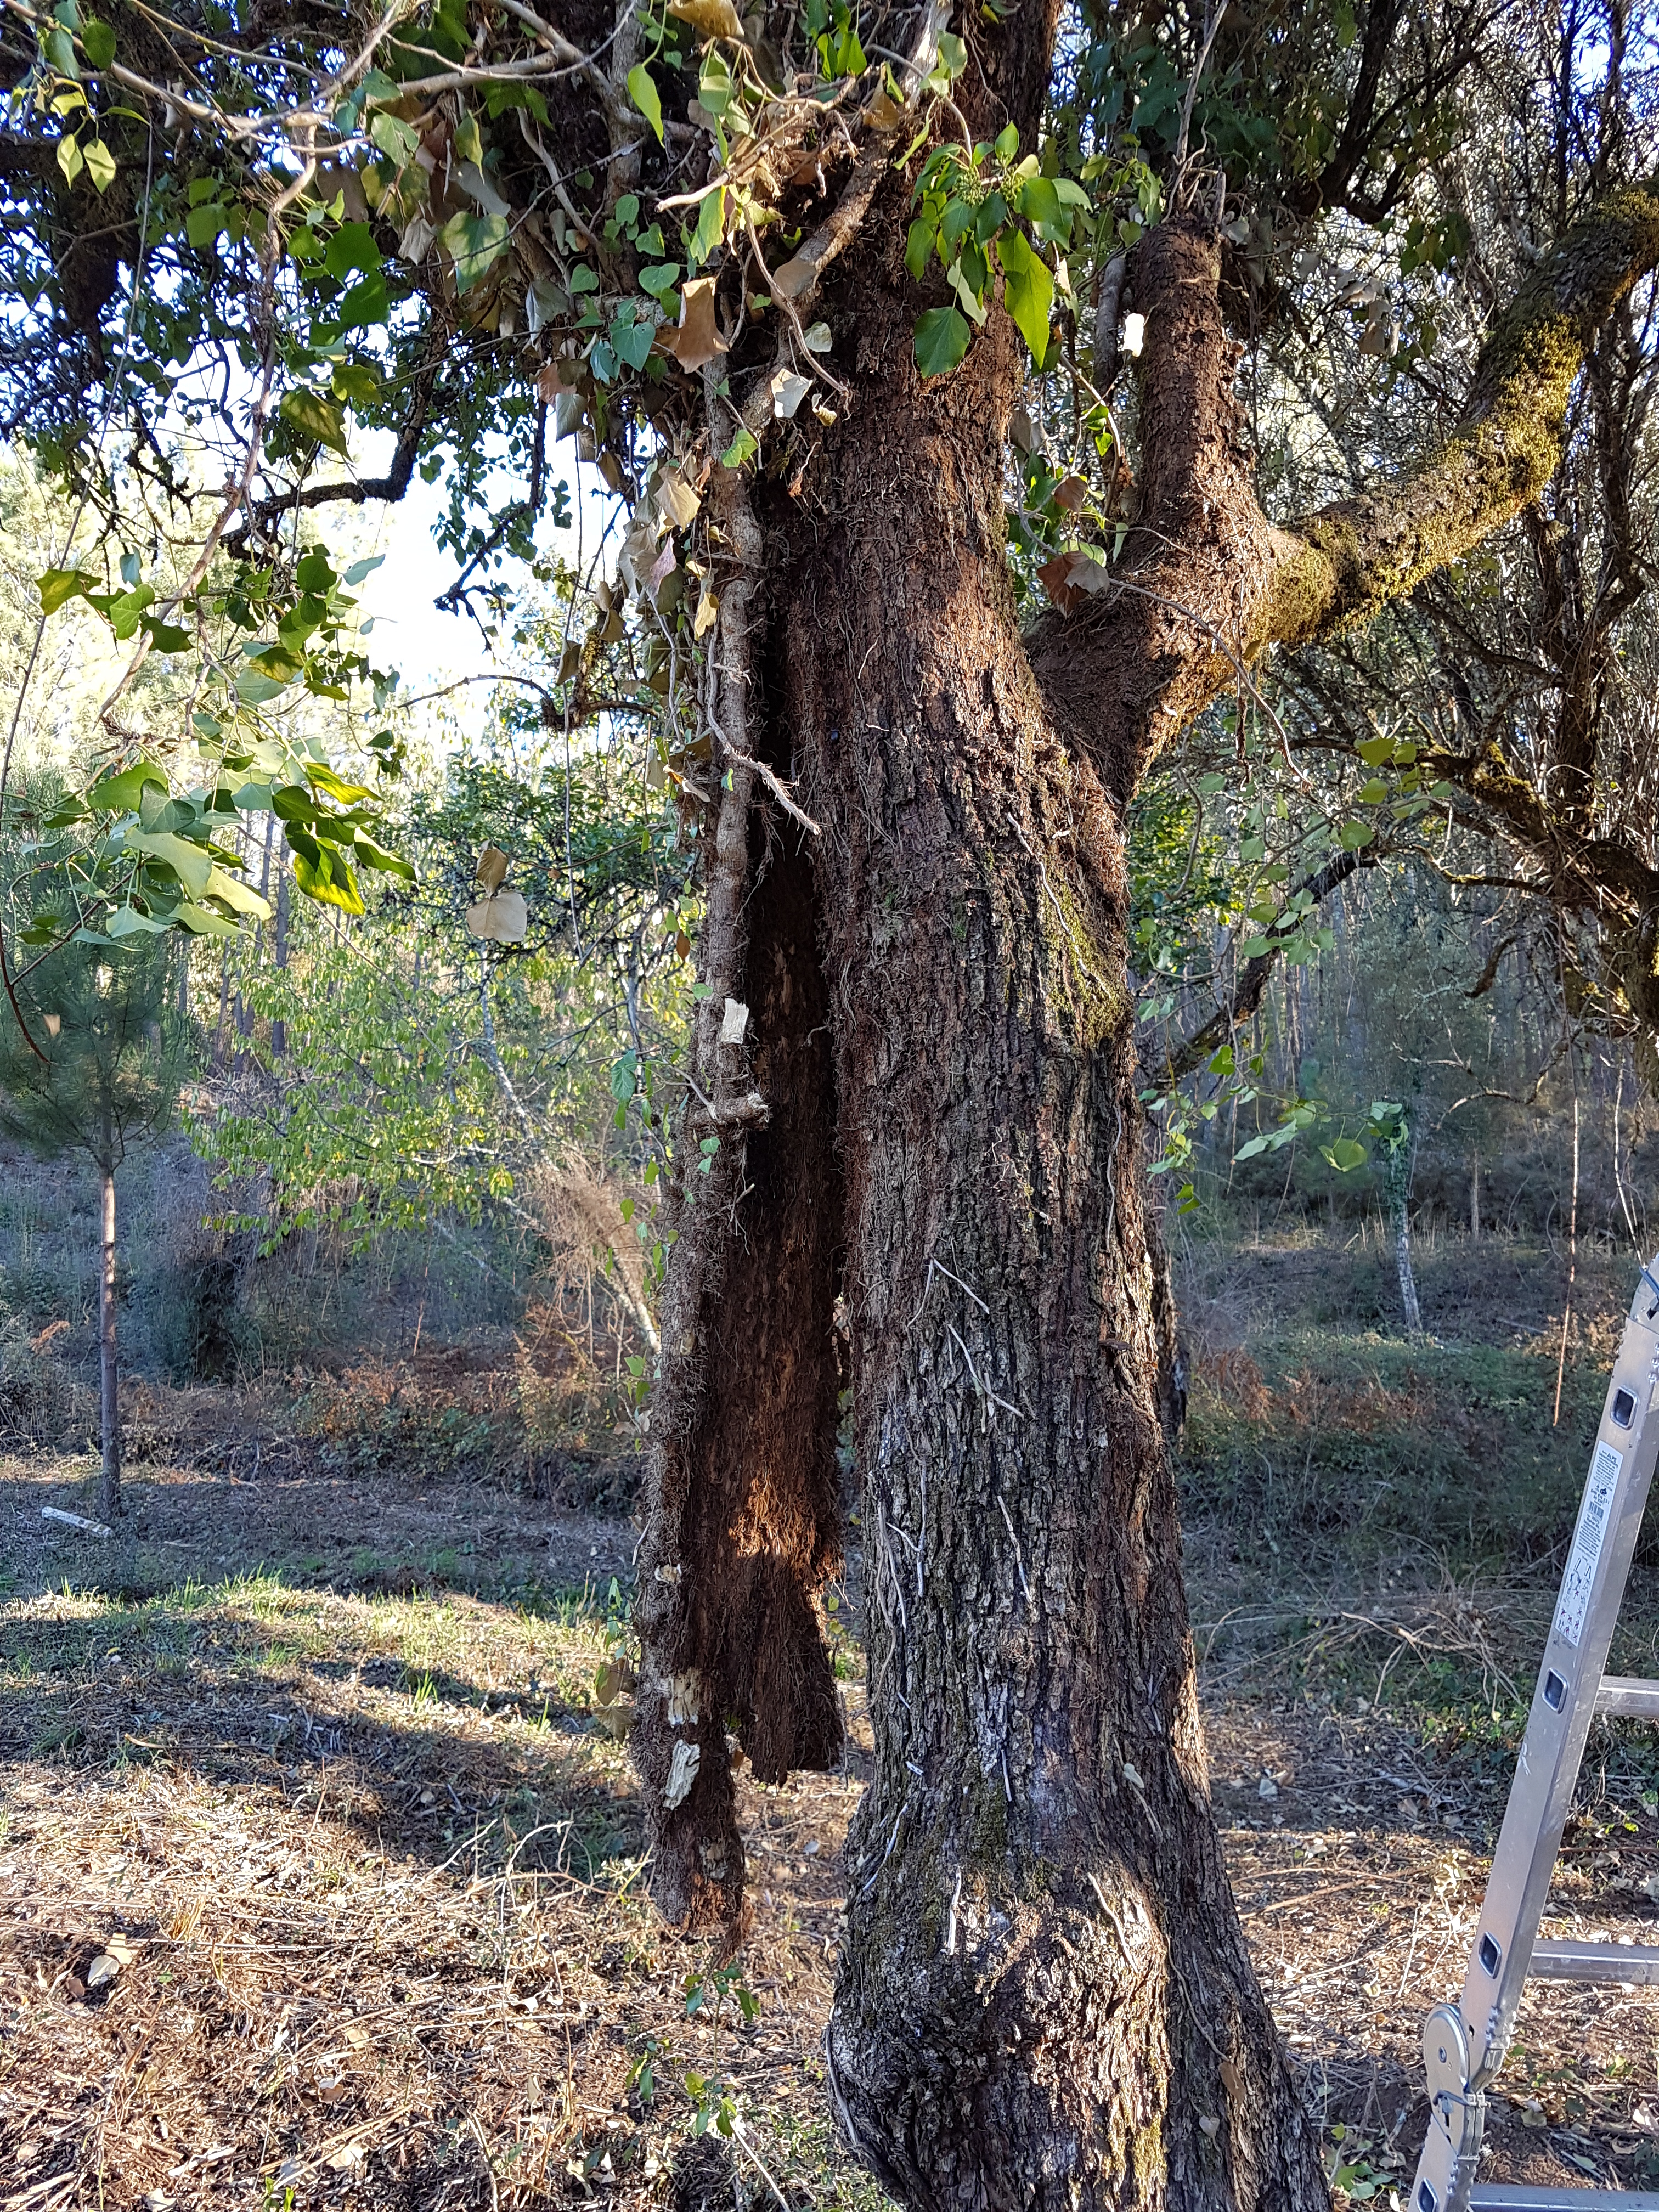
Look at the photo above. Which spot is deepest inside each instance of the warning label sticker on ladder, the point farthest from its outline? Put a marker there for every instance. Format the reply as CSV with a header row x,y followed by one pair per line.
x,y
1587,1541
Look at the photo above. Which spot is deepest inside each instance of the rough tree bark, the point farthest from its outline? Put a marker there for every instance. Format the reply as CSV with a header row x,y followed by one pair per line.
x,y
1045,1998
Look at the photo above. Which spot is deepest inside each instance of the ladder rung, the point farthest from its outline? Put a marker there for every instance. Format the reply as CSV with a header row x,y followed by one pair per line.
x,y
1576,1961
1628,1693
1544,2197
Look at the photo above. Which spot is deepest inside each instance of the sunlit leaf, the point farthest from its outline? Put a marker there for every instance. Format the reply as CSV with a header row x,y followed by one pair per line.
x,y
643,91
192,867
709,19
941,340
1028,291
314,416
59,585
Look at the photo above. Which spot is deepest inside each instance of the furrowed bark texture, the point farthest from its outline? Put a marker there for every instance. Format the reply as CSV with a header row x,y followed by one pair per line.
x,y
1044,1988
741,1481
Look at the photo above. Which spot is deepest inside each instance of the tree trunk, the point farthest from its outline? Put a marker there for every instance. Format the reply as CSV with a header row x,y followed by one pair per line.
x,y
109,1480
1045,1998
279,1027
1400,1156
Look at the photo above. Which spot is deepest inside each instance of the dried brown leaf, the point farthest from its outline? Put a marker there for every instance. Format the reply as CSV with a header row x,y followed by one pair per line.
x,y
793,278
501,919
709,19
696,340
676,502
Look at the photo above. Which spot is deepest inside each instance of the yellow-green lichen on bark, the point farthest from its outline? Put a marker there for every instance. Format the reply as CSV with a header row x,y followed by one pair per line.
x,y
1342,565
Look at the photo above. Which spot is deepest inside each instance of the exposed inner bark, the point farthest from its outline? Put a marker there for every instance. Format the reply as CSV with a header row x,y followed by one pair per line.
x,y
743,1484
765,1498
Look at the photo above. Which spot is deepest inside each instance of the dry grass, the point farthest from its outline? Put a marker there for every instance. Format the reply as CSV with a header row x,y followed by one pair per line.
x,y
368,1858
373,1867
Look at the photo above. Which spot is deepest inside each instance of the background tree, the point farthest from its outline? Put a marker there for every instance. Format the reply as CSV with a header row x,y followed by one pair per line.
x,y
788,281
113,1052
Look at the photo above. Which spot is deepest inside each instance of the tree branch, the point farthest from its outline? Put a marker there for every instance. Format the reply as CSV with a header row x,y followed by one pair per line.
x,y
1123,676
1253,976
1343,565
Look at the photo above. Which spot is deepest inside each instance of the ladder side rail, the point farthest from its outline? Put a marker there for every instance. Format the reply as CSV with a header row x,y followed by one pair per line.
x,y
1564,1702
1464,2045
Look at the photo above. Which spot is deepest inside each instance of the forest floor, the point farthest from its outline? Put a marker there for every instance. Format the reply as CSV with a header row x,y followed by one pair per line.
x,y
319,1854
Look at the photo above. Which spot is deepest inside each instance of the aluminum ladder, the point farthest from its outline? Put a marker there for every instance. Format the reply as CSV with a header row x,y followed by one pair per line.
x,y
1464,2044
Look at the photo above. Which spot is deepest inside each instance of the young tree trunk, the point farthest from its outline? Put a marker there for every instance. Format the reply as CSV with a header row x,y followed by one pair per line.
x,y
1399,1180
109,1480
279,946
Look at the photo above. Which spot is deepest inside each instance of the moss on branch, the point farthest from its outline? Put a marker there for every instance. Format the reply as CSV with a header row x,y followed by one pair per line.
x,y
1342,565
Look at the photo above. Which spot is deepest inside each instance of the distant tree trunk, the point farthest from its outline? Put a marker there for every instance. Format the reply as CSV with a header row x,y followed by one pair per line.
x,y
1400,1155
109,1483
1475,1200
279,1028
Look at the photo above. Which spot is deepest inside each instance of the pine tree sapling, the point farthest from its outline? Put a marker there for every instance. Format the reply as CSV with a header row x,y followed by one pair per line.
x,y
98,1072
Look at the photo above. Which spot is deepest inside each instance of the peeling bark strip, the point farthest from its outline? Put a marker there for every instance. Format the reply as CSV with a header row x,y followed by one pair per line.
x,y
741,1481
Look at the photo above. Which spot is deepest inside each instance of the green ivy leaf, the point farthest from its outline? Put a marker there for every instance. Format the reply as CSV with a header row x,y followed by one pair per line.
x,y
711,229
357,383
98,41
205,223
120,794
314,416
70,159
941,340
632,340
1344,1155
952,58
643,91
188,862
475,243
741,448
59,585
101,164
327,878
395,139
1028,291
351,251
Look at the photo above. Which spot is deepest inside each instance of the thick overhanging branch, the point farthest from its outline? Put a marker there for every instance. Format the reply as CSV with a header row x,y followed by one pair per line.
x,y
1209,585
1343,565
